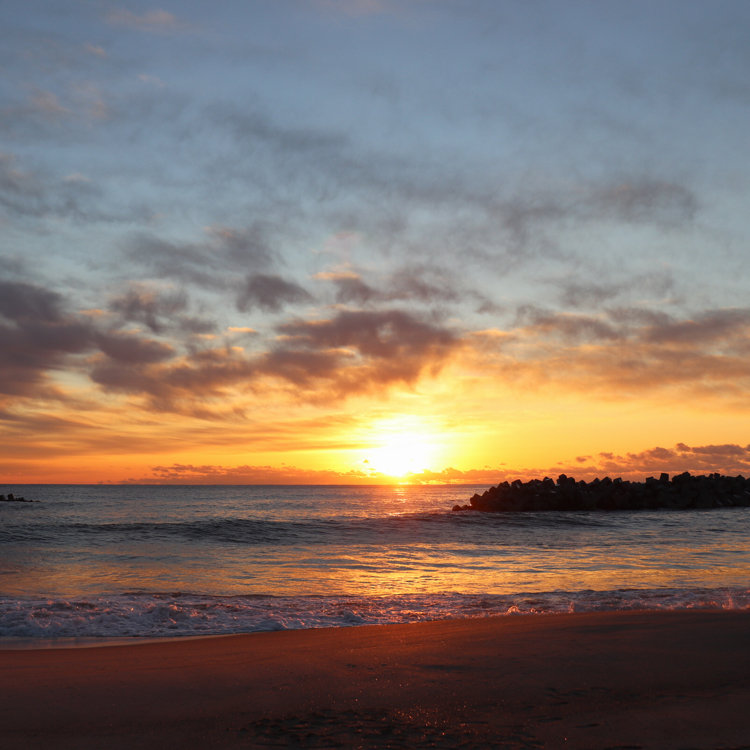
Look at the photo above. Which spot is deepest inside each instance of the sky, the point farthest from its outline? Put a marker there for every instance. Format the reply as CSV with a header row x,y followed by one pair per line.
x,y
351,241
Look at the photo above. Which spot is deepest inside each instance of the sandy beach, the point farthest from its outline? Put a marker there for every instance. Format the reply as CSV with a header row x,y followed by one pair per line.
x,y
608,680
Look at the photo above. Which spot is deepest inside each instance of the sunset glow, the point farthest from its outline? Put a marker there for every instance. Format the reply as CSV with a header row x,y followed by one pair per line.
x,y
247,245
402,446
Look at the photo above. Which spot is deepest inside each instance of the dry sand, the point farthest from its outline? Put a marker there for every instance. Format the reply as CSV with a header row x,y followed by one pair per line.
x,y
613,680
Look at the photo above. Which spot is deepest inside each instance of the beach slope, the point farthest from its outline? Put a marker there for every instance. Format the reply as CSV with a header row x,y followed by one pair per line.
x,y
603,680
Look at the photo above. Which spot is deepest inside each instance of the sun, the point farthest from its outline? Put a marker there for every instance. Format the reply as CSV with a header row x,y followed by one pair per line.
x,y
400,457
400,447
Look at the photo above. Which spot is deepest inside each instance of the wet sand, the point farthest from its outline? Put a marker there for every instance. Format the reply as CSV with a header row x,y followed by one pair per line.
x,y
657,680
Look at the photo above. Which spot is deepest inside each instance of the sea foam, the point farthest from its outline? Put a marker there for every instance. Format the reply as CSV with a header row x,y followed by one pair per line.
x,y
185,614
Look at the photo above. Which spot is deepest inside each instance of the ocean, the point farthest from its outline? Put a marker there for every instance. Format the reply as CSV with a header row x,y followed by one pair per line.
x,y
88,562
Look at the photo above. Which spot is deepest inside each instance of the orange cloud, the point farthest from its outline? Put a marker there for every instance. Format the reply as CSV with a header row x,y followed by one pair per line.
x,y
623,351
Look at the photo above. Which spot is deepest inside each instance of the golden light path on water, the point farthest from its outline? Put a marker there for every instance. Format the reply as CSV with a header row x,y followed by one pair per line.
x,y
192,559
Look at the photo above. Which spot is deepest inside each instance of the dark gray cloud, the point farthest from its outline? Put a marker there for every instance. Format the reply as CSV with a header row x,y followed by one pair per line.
x,y
37,336
125,348
12,266
359,350
580,293
415,283
627,351
583,294
565,326
645,199
145,306
382,334
160,311
270,293
638,199
20,301
705,330
423,283
194,325
353,351
304,367
351,289
708,327
184,386
210,264
252,127
26,194
246,247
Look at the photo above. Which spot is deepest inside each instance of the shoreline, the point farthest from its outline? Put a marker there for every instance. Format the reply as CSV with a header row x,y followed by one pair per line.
x,y
56,643
649,679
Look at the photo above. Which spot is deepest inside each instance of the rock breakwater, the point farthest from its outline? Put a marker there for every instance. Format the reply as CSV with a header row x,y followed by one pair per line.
x,y
11,498
682,492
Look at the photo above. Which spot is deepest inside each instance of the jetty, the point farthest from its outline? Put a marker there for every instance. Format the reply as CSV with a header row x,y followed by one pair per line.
x,y
682,492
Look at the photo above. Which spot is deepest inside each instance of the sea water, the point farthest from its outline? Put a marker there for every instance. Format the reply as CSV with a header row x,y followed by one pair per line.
x,y
149,561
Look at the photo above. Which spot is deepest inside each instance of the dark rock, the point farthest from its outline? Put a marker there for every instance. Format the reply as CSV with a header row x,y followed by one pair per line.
x,y
683,492
11,498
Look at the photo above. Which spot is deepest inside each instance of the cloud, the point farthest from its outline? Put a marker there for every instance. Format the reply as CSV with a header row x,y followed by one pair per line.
x,y
56,113
20,301
151,80
48,103
270,293
305,368
352,352
724,459
213,474
34,195
212,263
615,354
565,326
130,349
426,283
358,350
645,200
95,49
711,326
415,282
24,193
252,127
184,385
37,336
12,266
198,326
351,289
602,293
144,305
353,7
624,351
153,21
528,215
173,260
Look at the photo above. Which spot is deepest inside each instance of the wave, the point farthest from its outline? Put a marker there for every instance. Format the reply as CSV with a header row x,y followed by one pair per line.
x,y
239,530
190,614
